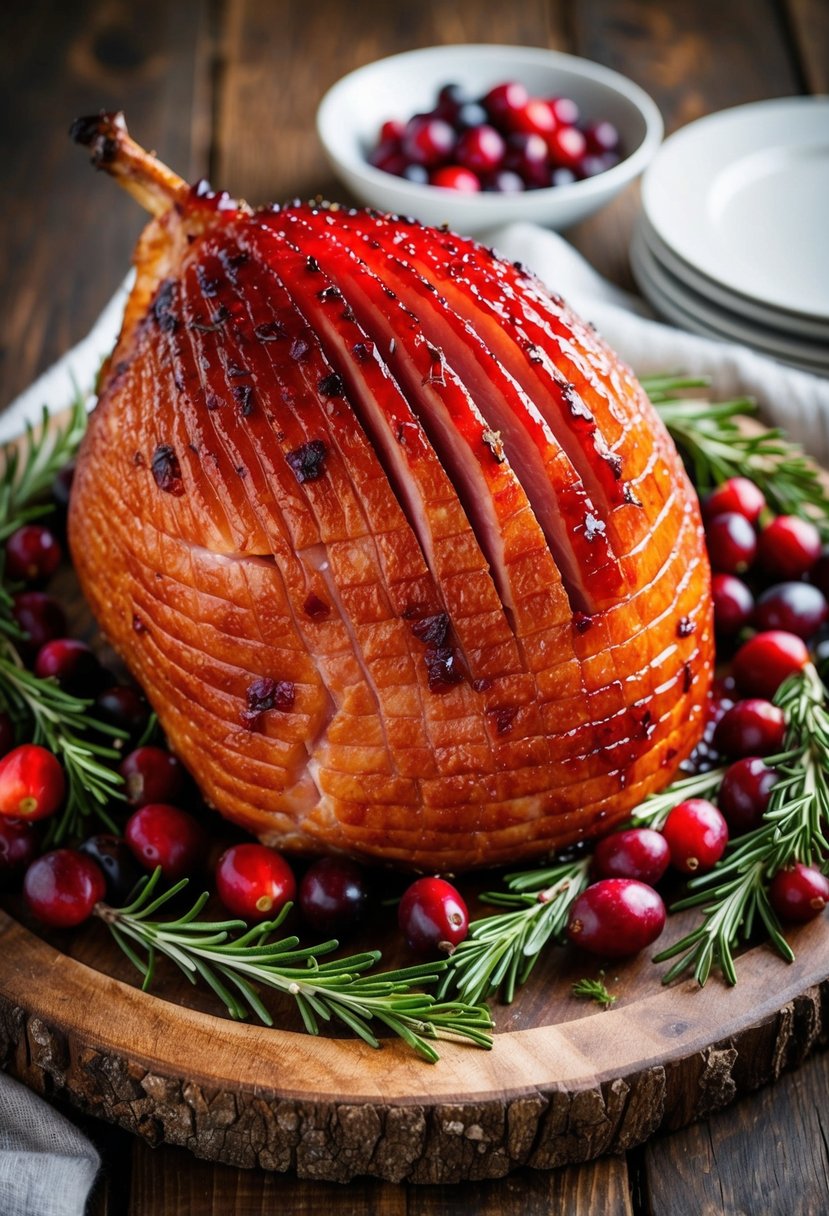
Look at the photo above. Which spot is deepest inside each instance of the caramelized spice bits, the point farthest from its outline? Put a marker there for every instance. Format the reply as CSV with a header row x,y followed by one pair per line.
x,y
167,470
308,460
264,694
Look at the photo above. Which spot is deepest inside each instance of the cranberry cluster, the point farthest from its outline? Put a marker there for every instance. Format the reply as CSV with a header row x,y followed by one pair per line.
x,y
505,142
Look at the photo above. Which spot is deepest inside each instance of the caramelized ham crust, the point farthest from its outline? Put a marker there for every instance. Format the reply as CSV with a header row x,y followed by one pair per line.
x,y
403,557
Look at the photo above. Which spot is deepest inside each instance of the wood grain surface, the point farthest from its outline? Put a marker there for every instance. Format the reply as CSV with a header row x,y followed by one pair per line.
x,y
229,88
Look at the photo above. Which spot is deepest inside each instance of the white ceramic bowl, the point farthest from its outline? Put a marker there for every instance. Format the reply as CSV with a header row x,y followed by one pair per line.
x,y
351,112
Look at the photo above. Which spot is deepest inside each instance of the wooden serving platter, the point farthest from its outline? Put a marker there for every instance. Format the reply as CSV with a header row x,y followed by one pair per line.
x,y
565,1081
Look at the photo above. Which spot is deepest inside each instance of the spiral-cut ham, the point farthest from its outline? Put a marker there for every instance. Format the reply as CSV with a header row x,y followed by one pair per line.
x,y
405,560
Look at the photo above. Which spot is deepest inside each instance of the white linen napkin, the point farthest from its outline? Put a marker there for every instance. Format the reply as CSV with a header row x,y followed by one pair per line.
x,y
46,1165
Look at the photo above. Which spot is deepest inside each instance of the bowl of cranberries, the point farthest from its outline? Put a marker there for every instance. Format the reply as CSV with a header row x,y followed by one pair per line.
x,y
475,136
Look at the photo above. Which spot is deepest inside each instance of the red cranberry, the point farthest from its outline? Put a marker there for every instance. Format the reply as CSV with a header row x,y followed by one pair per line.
x,y
471,114
40,617
333,896
480,149
697,834
254,881
639,853
528,157
389,158
733,604
565,110
432,916
789,547
504,182
32,554
450,99
123,707
165,836
152,774
732,543
62,888
766,660
428,140
505,100
113,857
567,147
392,131
737,495
796,607
535,118
601,137
418,174
616,917
19,846
751,728
71,663
456,177
819,573
593,165
7,735
799,893
62,485
32,784
744,793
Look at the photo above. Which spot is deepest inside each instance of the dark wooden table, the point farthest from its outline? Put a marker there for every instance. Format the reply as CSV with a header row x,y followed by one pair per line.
x,y
228,88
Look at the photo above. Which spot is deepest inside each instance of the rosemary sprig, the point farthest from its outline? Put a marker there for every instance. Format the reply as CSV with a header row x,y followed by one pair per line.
x,y
501,950
233,960
594,990
717,447
63,723
29,467
795,826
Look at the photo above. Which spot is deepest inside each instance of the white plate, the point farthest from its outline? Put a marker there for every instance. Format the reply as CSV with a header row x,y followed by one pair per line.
x,y
742,196
717,293
733,325
678,313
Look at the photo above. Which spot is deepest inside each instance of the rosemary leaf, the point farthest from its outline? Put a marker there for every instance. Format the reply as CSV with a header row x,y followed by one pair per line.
x,y
228,956
594,990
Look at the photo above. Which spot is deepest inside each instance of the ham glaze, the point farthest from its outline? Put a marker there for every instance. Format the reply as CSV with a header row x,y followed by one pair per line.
x,y
400,552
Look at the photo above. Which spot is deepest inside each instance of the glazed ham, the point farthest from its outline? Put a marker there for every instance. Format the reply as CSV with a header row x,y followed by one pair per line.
x,y
400,552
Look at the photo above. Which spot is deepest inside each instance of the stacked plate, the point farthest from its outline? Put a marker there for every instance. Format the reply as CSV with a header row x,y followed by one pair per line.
x,y
733,239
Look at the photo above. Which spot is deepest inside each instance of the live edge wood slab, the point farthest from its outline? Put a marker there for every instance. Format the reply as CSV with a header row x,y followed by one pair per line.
x,y
564,1083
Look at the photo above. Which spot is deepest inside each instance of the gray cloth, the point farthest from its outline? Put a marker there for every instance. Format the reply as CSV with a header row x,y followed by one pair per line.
x,y
47,1167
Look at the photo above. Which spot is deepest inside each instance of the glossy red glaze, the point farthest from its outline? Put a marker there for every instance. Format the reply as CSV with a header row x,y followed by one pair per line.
x,y
311,406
